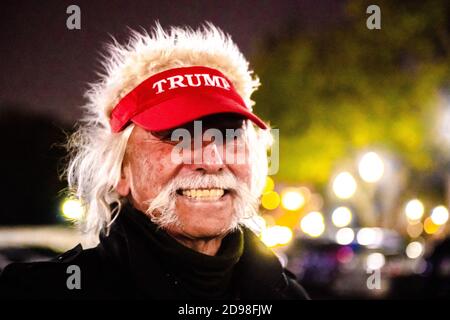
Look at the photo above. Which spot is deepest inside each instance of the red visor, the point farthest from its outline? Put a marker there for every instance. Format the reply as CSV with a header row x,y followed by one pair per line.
x,y
174,97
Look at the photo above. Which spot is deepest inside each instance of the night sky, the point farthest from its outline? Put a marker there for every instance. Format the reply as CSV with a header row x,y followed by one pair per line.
x,y
45,66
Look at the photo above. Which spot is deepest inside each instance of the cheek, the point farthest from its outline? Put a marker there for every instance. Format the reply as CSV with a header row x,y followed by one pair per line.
x,y
240,165
242,172
152,168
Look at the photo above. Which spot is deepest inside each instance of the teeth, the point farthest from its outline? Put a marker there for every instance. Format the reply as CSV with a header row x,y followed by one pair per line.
x,y
204,193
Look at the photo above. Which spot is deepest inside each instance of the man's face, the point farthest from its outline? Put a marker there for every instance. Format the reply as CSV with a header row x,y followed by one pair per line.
x,y
209,208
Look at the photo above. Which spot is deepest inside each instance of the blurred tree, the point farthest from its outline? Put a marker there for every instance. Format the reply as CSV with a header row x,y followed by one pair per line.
x,y
341,88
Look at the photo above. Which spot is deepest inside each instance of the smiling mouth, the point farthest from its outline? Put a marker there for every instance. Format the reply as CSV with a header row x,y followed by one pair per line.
x,y
206,194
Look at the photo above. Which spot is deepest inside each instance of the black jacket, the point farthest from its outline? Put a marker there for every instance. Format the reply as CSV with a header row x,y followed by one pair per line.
x,y
124,266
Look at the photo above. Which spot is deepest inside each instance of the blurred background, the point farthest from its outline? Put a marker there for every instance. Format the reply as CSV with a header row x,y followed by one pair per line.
x,y
359,207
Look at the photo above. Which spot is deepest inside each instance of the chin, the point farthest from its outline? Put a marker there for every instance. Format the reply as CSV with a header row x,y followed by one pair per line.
x,y
204,230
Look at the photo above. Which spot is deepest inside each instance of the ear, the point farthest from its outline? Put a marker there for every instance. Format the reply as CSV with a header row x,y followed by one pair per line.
x,y
123,187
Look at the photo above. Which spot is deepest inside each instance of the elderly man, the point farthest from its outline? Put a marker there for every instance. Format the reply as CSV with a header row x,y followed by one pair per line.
x,y
169,163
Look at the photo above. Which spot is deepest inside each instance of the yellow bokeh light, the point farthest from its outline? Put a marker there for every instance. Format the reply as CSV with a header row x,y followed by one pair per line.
x,y
292,199
270,200
72,209
429,226
269,186
371,167
276,235
313,224
344,185
341,217
414,209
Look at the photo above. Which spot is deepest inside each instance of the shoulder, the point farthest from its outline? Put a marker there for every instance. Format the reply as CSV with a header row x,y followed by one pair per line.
x,y
292,290
56,278
32,269
264,275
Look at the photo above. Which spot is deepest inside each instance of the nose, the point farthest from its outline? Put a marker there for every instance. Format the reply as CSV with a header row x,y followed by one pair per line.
x,y
208,159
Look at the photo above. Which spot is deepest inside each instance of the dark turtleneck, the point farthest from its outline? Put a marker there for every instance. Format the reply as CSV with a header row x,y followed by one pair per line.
x,y
190,273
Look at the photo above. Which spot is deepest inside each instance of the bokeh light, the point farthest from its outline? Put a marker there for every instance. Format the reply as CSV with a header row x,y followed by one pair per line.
x,y
429,226
313,224
371,167
269,186
72,209
367,236
345,236
270,200
439,215
341,217
375,261
292,199
276,235
414,250
344,185
414,230
344,254
414,209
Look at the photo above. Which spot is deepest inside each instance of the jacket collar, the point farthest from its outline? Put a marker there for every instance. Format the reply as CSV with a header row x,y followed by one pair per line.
x,y
256,273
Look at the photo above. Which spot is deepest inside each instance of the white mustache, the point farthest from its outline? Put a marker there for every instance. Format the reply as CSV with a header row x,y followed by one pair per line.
x,y
244,203
223,180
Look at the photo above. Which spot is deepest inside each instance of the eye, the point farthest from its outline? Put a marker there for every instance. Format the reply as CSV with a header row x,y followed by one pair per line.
x,y
162,135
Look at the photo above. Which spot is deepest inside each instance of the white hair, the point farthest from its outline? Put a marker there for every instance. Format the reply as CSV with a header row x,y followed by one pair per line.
x,y
96,154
